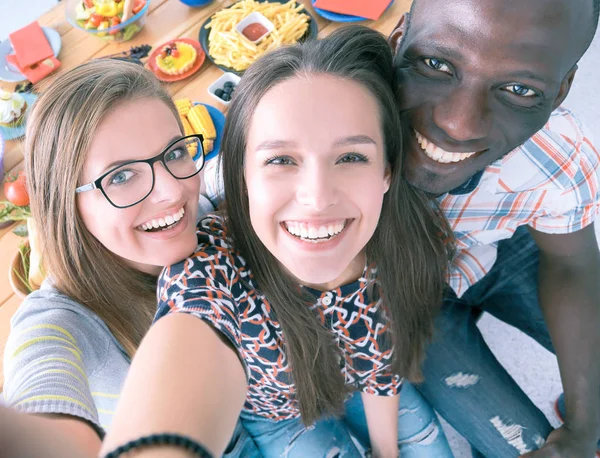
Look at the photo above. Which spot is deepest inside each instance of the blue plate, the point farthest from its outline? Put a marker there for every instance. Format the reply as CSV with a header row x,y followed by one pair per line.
x,y
336,17
203,39
9,72
10,133
218,120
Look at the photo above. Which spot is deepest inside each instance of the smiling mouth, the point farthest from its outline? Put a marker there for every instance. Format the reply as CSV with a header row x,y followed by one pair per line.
x,y
438,154
163,224
315,233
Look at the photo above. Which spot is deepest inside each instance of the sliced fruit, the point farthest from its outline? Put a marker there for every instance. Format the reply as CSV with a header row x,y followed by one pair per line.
x,y
96,19
103,26
114,22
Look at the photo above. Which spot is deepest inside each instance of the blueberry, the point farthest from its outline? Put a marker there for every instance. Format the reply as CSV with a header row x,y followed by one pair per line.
x,y
219,92
226,97
228,84
227,90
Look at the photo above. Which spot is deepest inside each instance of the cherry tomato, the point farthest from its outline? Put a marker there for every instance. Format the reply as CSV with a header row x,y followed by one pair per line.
x,y
15,190
89,3
96,19
115,20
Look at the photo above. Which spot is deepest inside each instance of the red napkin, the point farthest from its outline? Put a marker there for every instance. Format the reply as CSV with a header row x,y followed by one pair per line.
x,y
370,9
37,71
30,45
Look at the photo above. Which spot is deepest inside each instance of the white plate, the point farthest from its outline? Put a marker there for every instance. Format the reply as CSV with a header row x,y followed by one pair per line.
x,y
9,72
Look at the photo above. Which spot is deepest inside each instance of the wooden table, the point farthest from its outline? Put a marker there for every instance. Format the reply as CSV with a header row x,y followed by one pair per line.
x,y
166,20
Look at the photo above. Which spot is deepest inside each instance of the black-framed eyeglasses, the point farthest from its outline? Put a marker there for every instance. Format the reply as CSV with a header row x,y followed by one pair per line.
x,y
128,184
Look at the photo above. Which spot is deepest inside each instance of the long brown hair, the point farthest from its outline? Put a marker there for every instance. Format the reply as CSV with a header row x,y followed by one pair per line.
x,y
408,247
59,133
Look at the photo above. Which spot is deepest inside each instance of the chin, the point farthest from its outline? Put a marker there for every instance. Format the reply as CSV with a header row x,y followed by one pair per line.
x,y
427,182
315,276
179,253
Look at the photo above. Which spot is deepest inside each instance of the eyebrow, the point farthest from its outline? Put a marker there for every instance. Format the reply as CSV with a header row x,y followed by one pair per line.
x,y
346,141
128,161
441,49
354,140
528,75
274,144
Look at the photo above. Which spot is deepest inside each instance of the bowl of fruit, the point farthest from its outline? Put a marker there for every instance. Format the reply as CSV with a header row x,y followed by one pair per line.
x,y
110,20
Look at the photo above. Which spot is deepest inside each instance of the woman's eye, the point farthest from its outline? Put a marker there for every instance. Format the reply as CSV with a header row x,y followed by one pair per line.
x,y
174,154
279,160
437,64
353,157
120,177
520,90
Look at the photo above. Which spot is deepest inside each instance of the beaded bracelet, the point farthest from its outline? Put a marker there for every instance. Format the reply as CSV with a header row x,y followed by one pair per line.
x,y
176,440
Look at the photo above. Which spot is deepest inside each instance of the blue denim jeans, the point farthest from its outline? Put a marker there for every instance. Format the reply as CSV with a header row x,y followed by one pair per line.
x,y
241,444
419,432
463,380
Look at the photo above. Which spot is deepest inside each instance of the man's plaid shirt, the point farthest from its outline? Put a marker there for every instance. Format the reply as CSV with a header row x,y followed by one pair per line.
x,y
551,183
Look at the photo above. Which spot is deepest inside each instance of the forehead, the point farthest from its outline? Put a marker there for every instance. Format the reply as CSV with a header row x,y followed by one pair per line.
x,y
314,110
135,129
543,32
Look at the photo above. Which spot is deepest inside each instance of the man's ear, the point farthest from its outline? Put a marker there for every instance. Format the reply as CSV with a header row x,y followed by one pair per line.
x,y
565,87
395,38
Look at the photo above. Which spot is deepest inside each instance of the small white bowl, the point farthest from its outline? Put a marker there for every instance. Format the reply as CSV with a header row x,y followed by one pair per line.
x,y
220,83
251,19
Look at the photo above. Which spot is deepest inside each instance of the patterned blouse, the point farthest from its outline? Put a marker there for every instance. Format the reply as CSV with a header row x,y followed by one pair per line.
x,y
216,285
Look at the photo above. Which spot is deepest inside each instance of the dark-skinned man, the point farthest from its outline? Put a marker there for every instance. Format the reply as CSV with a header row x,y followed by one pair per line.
x,y
480,87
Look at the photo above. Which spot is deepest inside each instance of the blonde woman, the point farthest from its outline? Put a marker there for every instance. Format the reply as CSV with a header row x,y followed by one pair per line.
x,y
114,192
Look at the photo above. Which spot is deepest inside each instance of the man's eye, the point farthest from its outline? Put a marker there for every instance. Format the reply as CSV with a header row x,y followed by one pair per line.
x,y
437,64
520,90
279,160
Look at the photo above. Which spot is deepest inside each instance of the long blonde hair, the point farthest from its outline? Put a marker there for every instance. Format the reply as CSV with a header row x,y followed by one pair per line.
x,y
59,133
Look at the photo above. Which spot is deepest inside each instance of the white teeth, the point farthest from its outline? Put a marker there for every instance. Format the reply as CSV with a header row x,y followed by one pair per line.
x,y
177,216
312,232
163,222
438,154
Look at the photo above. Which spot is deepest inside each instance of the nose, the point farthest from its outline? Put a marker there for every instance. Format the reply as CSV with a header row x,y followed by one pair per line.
x,y
166,187
463,114
317,188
